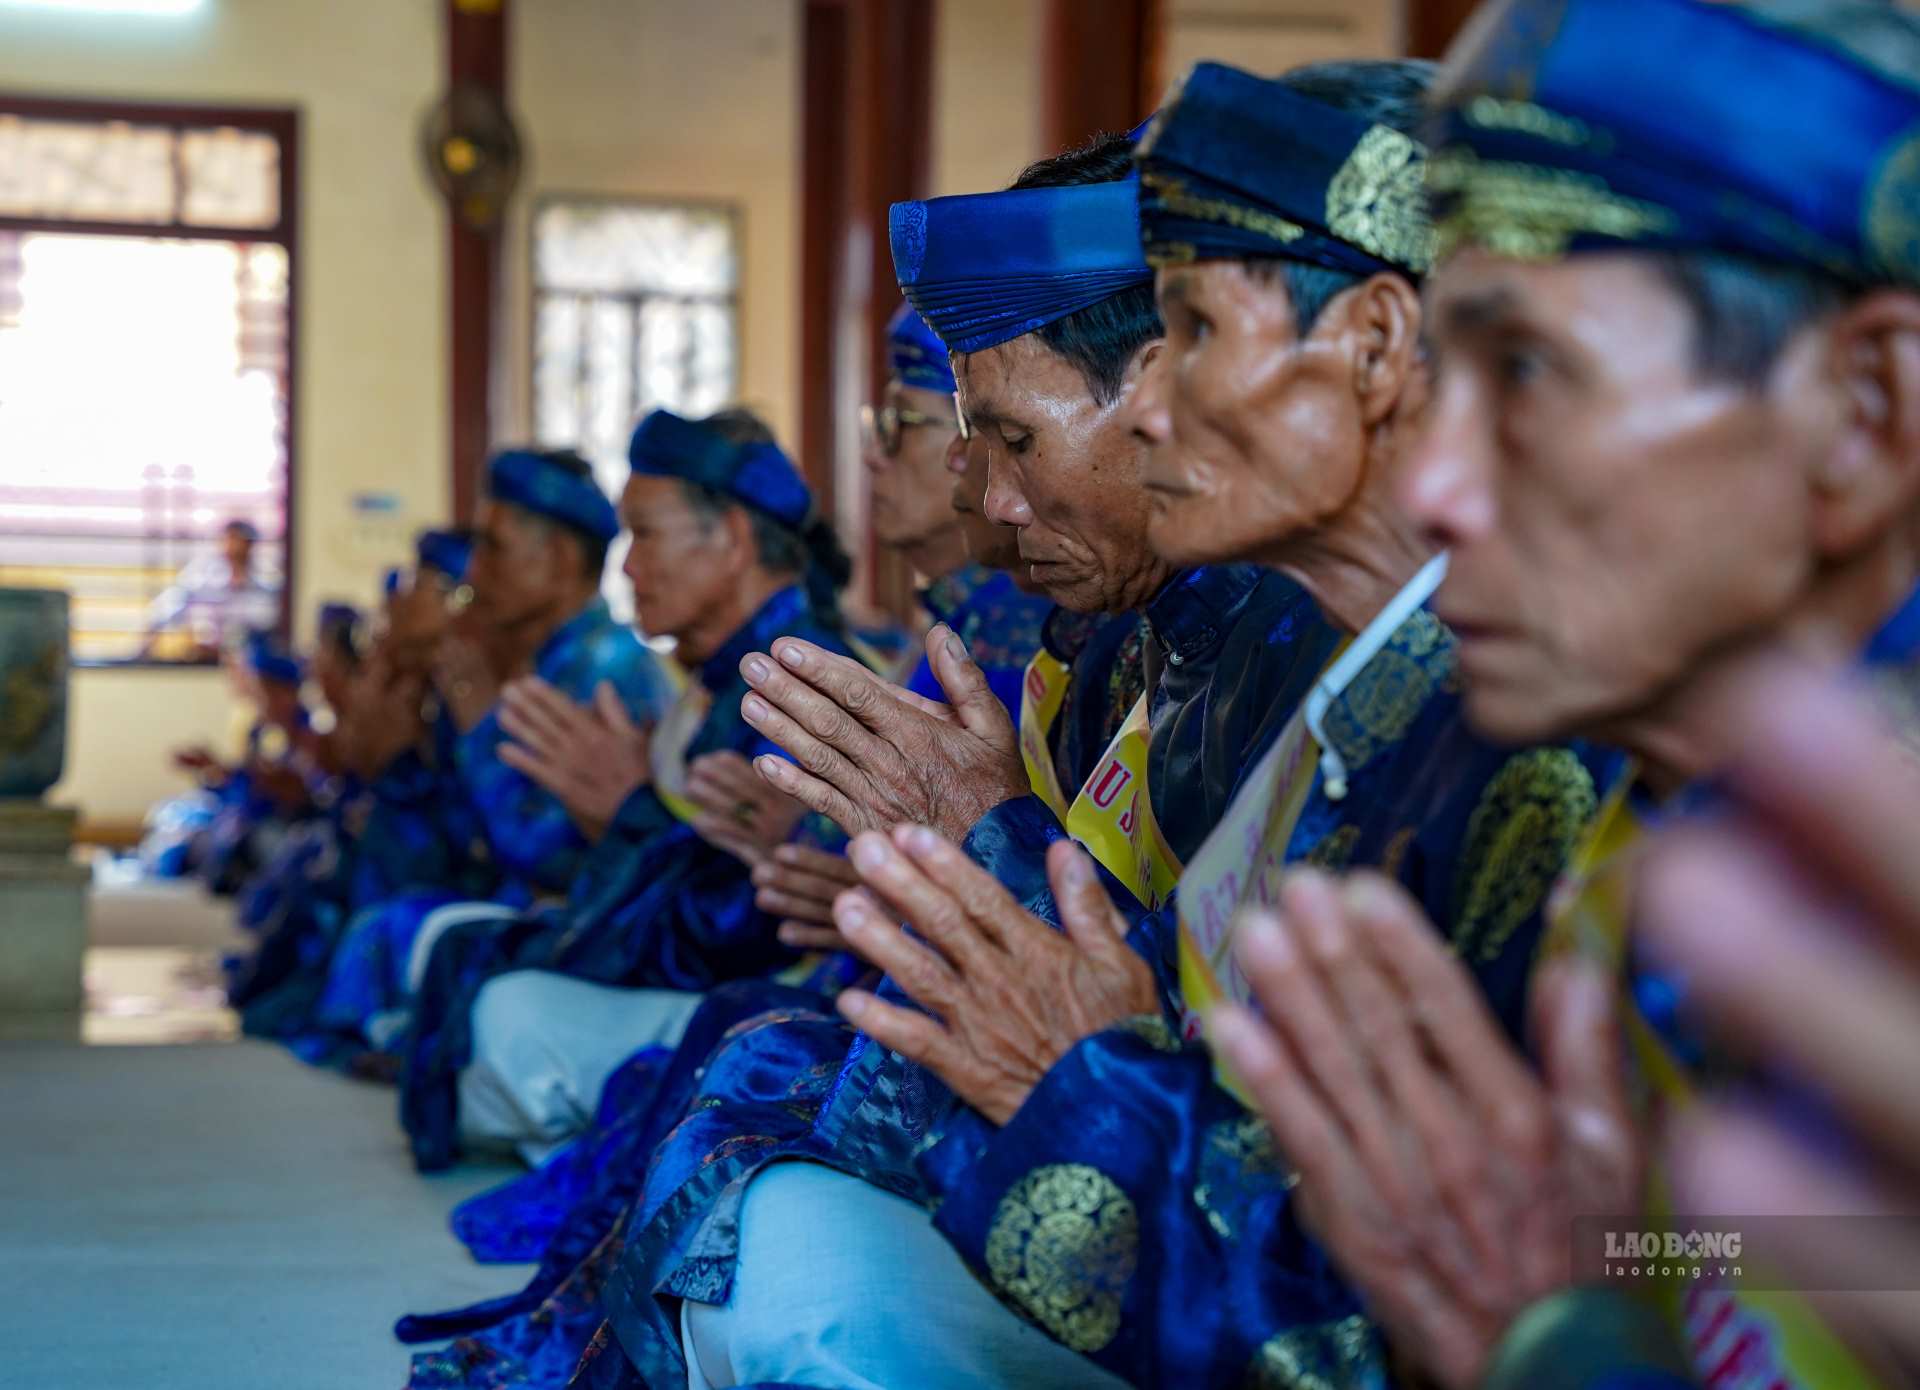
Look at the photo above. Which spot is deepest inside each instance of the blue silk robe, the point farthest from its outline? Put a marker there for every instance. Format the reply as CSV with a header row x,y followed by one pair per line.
x,y
524,833
1179,1261
570,1214
653,904
999,624
1231,645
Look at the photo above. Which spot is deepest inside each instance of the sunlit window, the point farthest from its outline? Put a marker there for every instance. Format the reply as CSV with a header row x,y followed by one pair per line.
x,y
145,374
634,309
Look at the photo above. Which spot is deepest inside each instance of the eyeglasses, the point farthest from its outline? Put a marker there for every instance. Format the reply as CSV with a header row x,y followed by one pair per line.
x,y
884,426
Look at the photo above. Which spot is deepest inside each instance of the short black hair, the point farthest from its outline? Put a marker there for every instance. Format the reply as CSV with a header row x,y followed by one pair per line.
x,y
1101,339
1744,309
1385,93
593,550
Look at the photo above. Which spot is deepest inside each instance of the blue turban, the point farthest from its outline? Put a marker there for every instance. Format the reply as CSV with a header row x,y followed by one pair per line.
x,y
390,581
1238,166
269,659
1792,137
758,475
541,486
985,268
335,615
914,355
450,552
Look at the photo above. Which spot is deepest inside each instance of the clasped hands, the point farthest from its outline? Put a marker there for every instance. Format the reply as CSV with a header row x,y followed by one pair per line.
x,y
870,755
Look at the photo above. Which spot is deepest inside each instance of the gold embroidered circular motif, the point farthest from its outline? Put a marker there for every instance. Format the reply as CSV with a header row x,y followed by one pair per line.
x,y
1064,1243
1322,1356
1376,711
1518,839
1378,199
1892,214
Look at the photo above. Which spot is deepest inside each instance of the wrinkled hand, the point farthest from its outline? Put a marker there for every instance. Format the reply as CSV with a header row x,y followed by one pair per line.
x,y
1795,925
1009,995
800,884
465,679
590,757
870,754
383,719
740,811
1440,1171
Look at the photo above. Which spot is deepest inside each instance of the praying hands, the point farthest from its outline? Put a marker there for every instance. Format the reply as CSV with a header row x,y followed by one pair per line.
x,y
1440,1170
868,754
1795,924
1007,994
590,757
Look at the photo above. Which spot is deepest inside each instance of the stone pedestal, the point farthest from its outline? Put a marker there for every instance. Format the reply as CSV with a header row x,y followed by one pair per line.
x,y
43,910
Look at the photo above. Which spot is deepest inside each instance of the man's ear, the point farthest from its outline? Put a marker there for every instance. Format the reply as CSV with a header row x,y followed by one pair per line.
x,y
1382,313
1143,357
742,553
1870,479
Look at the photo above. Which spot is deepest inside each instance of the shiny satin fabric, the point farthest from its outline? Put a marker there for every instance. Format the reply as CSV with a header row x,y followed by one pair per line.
x,y
1190,1269
1607,124
652,905
1228,643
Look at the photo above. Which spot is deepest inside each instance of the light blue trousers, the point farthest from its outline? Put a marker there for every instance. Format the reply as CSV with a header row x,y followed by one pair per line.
x,y
844,1286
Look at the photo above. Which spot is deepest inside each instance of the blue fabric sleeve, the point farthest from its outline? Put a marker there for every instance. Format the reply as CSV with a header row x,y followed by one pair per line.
x,y
1184,1265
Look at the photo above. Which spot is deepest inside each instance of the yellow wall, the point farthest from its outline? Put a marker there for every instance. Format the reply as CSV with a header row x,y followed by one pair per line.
x,y
695,99
986,94
371,302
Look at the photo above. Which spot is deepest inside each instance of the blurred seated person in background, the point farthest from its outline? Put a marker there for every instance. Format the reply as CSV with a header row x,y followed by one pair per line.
x,y
539,548
727,552
224,831
562,1214
216,601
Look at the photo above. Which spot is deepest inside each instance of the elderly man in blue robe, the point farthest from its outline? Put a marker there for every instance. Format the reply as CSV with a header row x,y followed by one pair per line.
x,y
1677,436
1099,1175
1235,652
538,555
728,554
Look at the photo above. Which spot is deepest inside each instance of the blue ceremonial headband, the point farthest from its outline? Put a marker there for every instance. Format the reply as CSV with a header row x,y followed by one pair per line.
x,y
915,355
446,551
985,268
1677,124
1238,166
270,661
756,475
544,488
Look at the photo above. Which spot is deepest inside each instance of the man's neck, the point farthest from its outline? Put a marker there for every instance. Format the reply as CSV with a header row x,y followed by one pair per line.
x,y
713,629
524,638
1359,559
1678,738
941,553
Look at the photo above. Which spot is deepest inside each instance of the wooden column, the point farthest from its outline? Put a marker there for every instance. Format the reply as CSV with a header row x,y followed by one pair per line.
x,y
476,53
1101,69
1433,24
867,130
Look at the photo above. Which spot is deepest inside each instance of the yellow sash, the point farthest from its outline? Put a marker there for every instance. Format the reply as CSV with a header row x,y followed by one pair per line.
x,y
1783,1341
1112,815
1241,865
672,736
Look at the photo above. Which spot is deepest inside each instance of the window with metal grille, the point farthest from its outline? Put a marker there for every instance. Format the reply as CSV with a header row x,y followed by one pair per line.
x,y
634,309
147,270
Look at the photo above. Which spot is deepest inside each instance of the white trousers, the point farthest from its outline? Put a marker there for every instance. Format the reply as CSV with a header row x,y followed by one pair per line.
x,y
544,1046
844,1286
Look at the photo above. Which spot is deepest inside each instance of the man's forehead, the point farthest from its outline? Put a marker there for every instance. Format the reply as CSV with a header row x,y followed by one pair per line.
x,y
1478,292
